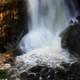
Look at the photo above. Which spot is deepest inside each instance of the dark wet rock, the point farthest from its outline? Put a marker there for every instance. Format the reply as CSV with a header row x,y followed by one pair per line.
x,y
24,76
74,72
60,74
39,73
48,73
71,37
36,69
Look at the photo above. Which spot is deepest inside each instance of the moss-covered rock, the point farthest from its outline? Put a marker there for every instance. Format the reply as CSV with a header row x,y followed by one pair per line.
x,y
3,74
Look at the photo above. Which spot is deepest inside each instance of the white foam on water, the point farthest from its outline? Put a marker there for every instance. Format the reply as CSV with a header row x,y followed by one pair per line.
x,y
48,56
42,45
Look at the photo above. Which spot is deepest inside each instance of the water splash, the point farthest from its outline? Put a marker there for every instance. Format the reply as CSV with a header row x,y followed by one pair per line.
x,y
47,20
47,56
42,43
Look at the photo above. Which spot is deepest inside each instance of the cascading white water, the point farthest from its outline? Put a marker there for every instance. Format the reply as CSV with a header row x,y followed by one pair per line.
x,y
42,43
46,14
47,20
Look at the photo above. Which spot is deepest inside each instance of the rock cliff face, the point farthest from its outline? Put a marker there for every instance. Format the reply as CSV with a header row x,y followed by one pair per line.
x,y
71,38
13,17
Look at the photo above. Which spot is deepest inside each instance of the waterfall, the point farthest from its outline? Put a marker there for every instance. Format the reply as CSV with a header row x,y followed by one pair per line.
x,y
47,21
46,13
42,44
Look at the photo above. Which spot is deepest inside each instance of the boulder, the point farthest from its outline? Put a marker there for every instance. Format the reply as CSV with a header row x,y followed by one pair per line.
x,y
71,37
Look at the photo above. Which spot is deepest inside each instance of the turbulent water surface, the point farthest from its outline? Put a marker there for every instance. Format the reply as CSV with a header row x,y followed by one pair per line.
x,y
47,20
42,44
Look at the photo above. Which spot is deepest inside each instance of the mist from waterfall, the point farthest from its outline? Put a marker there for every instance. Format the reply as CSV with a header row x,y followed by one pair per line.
x,y
42,44
47,20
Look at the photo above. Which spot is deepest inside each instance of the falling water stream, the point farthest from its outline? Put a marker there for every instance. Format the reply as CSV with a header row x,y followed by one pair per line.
x,y
47,21
42,44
